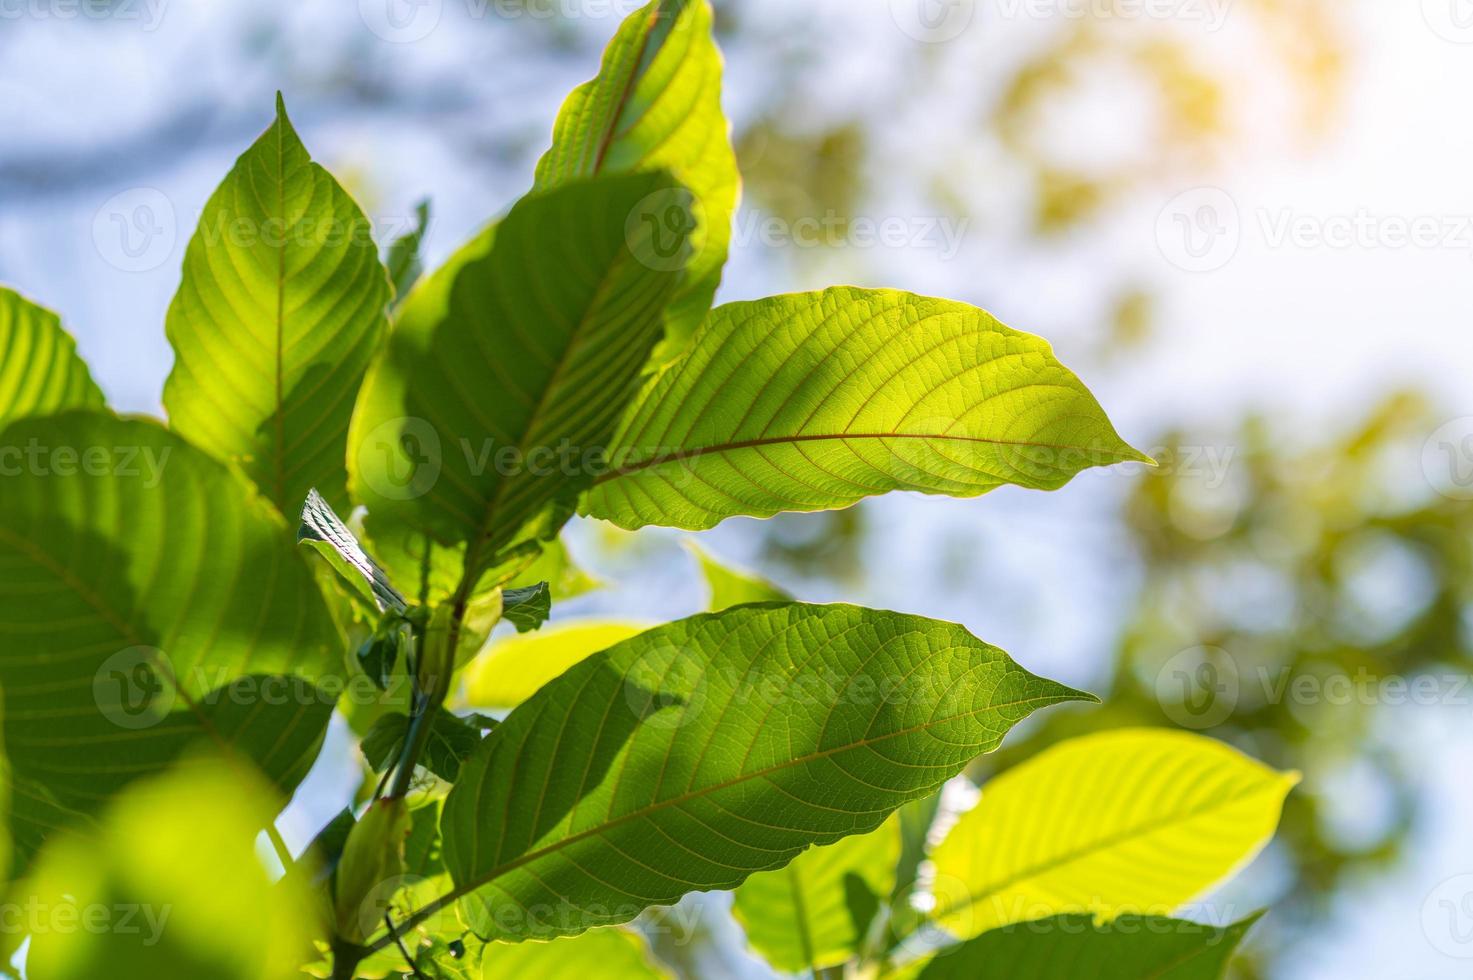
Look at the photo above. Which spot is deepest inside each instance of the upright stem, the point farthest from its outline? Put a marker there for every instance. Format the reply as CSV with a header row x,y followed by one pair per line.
x,y
345,959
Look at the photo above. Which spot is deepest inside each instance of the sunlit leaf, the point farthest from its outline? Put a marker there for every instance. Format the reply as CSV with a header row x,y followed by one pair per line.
x,y
1075,946
174,878
597,953
656,104
1137,820
690,756
527,608
814,401
403,261
732,586
506,368
281,307
325,533
40,372
512,669
805,916
138,587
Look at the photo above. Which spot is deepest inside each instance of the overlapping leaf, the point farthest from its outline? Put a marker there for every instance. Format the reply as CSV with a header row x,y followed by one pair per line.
x,y
656,104
733,586
507,367
814,401
816,912
512,669
1140,820
140,582
281,308
40,371
697,753
323,531
1075,946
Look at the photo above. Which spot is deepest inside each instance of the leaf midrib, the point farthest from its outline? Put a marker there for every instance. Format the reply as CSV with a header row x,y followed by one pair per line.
x,y
726,447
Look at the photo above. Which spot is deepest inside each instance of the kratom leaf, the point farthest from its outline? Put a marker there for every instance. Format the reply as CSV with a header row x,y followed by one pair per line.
x,y
800,917
512,669
814,401
731,586
40,373
597,953
281,307
506,367
157,869
527,608
1138,820
690,756
136,591
451,741
324,532
656,105
1075,946
403,261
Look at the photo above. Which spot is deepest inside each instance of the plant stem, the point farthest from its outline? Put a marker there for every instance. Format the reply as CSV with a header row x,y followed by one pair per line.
x,y
283,853
345,958
414,743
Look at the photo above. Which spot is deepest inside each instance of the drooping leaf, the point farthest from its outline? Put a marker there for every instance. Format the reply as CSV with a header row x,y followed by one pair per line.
x,y
323,531
40,372
512,669
1139,820
506,368
527,608
451,741
597,953
802,918
656,104
172,886
732,586
1075,946
281,307
697,753
137,591
814,401
403,261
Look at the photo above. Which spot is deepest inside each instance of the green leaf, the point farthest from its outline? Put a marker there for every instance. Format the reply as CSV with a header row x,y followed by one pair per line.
x,y
690,756
172,887
403,261
512,669
506,368
815,401
1138,820
1075,946
656,105
281,308
140,580
527,608
451,741
801,917
324,532
732,586
41,372
597,953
